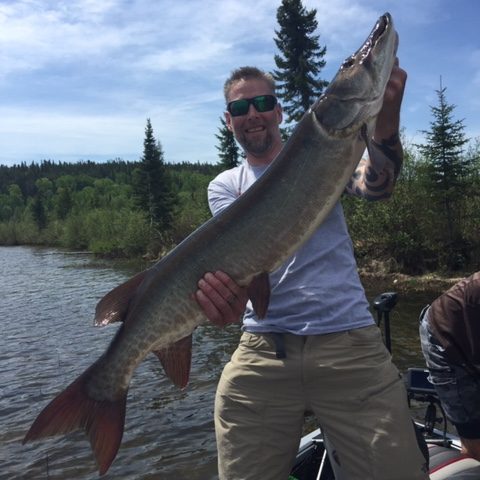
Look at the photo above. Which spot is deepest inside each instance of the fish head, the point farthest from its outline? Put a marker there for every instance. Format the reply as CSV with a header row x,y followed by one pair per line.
x,y
355,95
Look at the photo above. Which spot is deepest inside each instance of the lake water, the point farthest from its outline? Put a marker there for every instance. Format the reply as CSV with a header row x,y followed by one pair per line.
x,y
47,338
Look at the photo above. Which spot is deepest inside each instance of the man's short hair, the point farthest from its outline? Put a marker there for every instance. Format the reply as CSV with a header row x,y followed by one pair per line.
x,y
247,73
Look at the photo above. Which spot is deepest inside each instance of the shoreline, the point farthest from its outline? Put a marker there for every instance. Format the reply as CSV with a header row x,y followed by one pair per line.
x,y
430,282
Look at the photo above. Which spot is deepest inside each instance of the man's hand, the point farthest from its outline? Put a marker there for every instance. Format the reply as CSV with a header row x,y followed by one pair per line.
x,y
471,447
388,120
222,300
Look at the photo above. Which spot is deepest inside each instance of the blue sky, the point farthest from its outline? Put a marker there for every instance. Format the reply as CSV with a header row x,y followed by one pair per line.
x,y
79,78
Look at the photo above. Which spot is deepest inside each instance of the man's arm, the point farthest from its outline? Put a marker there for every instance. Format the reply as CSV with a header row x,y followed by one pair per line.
x,y
376,175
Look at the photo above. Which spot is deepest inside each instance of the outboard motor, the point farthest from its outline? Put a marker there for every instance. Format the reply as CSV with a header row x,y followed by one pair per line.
x,y
384,304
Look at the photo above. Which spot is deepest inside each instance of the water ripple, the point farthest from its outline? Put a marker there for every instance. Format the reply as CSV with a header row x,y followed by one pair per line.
x,y
47,338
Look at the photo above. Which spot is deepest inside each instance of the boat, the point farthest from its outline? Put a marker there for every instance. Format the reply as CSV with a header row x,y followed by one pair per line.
x,y
315,461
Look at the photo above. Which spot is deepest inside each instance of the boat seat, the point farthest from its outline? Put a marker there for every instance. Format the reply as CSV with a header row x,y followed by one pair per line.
x,y
450,464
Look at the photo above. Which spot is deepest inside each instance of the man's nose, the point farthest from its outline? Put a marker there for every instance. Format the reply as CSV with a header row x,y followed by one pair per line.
x,y
252,111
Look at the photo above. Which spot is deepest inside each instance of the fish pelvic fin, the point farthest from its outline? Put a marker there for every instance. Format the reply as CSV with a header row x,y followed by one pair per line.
x,y
259,294
176,359
103,421
113,307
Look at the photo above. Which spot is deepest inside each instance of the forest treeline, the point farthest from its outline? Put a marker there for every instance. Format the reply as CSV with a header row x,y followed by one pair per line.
x,y
92,206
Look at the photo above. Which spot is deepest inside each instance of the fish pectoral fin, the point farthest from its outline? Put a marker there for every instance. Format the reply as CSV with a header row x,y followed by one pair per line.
x,y
259,294
114,305
176,359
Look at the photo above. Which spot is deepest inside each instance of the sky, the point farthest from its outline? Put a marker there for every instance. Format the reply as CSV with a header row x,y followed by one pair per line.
x,y
79,78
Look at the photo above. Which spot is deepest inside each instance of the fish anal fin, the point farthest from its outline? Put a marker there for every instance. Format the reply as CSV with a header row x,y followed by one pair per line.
x,y
113,307
103,421
259,294
176,359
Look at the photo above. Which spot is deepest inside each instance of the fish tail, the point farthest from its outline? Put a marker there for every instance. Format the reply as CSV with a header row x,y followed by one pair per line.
x,y
73,409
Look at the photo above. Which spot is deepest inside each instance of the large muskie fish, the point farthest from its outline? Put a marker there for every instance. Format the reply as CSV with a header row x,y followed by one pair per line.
x,y
247,240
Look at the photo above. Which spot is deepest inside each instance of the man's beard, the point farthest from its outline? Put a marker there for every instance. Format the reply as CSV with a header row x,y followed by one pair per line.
x,y
258,147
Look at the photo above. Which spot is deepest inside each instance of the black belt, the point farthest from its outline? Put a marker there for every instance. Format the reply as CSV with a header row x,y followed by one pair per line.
x,y
279,344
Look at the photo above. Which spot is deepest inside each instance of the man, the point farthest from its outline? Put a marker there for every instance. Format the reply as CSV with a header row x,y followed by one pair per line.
x,y
450,336
318,348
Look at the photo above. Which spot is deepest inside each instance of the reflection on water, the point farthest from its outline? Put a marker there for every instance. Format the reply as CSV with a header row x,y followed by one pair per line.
x,y
47,339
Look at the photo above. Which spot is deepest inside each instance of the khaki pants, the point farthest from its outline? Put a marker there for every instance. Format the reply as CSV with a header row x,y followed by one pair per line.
x,y
347,379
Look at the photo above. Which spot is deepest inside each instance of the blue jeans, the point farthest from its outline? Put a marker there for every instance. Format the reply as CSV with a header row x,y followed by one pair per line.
x,y
459,391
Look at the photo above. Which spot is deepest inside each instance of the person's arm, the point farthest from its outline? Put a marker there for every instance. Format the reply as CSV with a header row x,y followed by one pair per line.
x,y
376,175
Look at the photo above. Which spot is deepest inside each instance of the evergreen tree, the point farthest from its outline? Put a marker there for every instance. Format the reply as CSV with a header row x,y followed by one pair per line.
x,y
301,59
43,188
228,148
443,147
152,186
39,212
448,170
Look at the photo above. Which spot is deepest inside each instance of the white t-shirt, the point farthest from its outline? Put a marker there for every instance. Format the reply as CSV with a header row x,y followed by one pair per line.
x,y
318,289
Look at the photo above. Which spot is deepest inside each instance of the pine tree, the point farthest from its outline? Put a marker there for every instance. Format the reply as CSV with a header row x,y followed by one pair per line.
x,y
443,147
448,169
152,186
301,59
39,212
43,194
228,148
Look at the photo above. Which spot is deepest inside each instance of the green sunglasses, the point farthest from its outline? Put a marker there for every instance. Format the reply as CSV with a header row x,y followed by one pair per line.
x,y
263,103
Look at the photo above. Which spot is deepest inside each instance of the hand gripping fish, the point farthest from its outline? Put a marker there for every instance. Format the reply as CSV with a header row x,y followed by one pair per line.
x,y
248,240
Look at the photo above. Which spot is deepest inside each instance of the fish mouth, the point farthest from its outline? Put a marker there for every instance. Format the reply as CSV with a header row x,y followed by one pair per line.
x,y
355,94
367,50
378,30
383,24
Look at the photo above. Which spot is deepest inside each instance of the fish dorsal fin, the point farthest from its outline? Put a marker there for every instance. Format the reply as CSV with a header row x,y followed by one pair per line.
x,y
113,307
259,294
176,359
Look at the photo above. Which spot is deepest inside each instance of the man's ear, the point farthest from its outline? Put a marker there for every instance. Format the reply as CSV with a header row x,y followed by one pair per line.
x,y
228,121
279,113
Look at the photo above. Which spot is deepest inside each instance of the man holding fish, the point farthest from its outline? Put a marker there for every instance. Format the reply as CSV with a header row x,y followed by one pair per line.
x,y
317,348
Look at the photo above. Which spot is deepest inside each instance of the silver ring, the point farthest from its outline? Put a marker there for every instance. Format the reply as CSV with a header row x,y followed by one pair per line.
x,y
232,299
